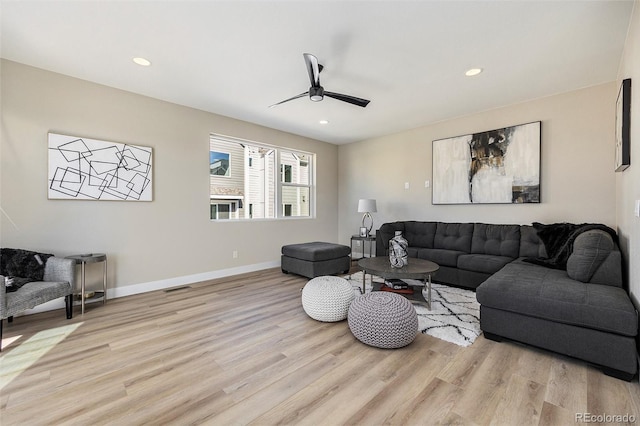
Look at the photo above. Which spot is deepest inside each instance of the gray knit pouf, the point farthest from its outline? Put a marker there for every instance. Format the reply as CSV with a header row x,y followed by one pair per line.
x,y
383,319
327,298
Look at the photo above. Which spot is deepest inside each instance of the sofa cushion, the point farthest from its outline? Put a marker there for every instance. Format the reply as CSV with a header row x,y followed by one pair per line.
x,y
439,256
453,236
35,293
420,234
550,294
499,240
486,263
590,249
530,244
316,251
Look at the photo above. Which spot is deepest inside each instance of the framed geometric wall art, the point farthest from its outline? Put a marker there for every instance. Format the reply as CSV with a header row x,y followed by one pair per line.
x,y
623,126
499,166
89,169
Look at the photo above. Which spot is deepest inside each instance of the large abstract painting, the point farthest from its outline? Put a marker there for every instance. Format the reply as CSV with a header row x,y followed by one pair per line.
x,y
89,169
498,166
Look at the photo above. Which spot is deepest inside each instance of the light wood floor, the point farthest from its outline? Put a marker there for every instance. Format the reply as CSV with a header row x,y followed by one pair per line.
x,y
241,350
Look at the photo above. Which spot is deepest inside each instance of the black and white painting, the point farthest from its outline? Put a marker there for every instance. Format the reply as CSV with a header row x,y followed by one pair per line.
x,y
89,169
497,166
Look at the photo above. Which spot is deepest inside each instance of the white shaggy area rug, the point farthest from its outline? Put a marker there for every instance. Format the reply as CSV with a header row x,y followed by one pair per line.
x,y
454,314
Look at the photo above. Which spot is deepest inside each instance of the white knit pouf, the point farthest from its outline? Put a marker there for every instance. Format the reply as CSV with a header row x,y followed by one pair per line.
x,y
327,298
383,319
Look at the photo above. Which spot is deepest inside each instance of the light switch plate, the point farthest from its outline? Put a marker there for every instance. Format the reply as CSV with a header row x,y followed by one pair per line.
x,y
637,208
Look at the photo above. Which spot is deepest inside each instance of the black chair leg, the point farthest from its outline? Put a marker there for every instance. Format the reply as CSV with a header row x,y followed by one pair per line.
x,y
1,321
69,304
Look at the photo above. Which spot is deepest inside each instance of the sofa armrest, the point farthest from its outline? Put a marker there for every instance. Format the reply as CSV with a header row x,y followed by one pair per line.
x,y
610,271
60,269
381,247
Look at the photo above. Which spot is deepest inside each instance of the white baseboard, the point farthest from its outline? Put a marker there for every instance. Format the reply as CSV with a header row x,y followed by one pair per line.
x,y
130,290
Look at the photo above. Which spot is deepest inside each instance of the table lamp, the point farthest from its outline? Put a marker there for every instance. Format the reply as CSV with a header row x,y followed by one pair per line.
x,y
367,206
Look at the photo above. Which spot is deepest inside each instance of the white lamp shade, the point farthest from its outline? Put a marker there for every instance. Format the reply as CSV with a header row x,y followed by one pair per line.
x,y
367,205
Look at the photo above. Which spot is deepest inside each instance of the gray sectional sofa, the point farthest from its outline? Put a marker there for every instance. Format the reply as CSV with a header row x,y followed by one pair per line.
x,y
575,306
468,253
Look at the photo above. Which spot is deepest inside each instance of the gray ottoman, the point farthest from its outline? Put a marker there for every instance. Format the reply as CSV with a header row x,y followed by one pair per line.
x,y
327,298
315,259
383,319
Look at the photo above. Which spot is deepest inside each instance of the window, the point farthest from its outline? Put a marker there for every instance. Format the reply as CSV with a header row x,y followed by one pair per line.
x,y
286,172
220,211
219,163
246,174
295,183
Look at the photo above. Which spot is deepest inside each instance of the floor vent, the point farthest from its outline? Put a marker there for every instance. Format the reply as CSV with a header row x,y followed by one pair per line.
x,y
171,290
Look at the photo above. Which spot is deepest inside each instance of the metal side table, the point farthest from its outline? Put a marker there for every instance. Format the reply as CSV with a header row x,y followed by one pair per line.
x,y
83,259
364,239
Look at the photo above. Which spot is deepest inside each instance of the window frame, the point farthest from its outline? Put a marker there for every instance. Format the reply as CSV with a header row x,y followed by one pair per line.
x,y
278,176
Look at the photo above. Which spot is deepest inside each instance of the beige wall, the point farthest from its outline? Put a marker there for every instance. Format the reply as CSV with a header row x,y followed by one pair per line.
x,y
145,241
628,182
577,178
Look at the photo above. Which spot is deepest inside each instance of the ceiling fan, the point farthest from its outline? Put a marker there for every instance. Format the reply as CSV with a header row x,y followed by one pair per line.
x,y
316,92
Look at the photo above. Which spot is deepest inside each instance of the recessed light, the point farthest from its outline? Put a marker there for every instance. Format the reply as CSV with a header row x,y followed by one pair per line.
x,y
323,121
473,71
142,62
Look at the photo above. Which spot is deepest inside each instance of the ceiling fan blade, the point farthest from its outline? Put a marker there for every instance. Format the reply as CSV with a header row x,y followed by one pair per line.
x,y
290,99
313,69
346,98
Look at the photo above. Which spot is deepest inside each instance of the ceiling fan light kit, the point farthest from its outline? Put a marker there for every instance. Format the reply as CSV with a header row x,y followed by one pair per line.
x,y
316,92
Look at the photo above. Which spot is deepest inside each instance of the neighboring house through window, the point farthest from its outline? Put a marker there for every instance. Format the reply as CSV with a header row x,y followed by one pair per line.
x,y
243,173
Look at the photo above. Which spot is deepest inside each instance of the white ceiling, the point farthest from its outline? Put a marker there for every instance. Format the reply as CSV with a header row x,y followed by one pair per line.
x,y
235,58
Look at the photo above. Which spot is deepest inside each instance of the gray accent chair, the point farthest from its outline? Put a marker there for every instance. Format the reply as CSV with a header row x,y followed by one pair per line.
x,y
58,281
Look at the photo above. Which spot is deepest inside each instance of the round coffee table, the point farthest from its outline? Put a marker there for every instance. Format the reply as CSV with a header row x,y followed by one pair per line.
x,y
417,269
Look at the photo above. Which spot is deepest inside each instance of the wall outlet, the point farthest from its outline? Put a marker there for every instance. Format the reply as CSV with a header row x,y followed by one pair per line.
x,y
427,184
406,185
235,254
